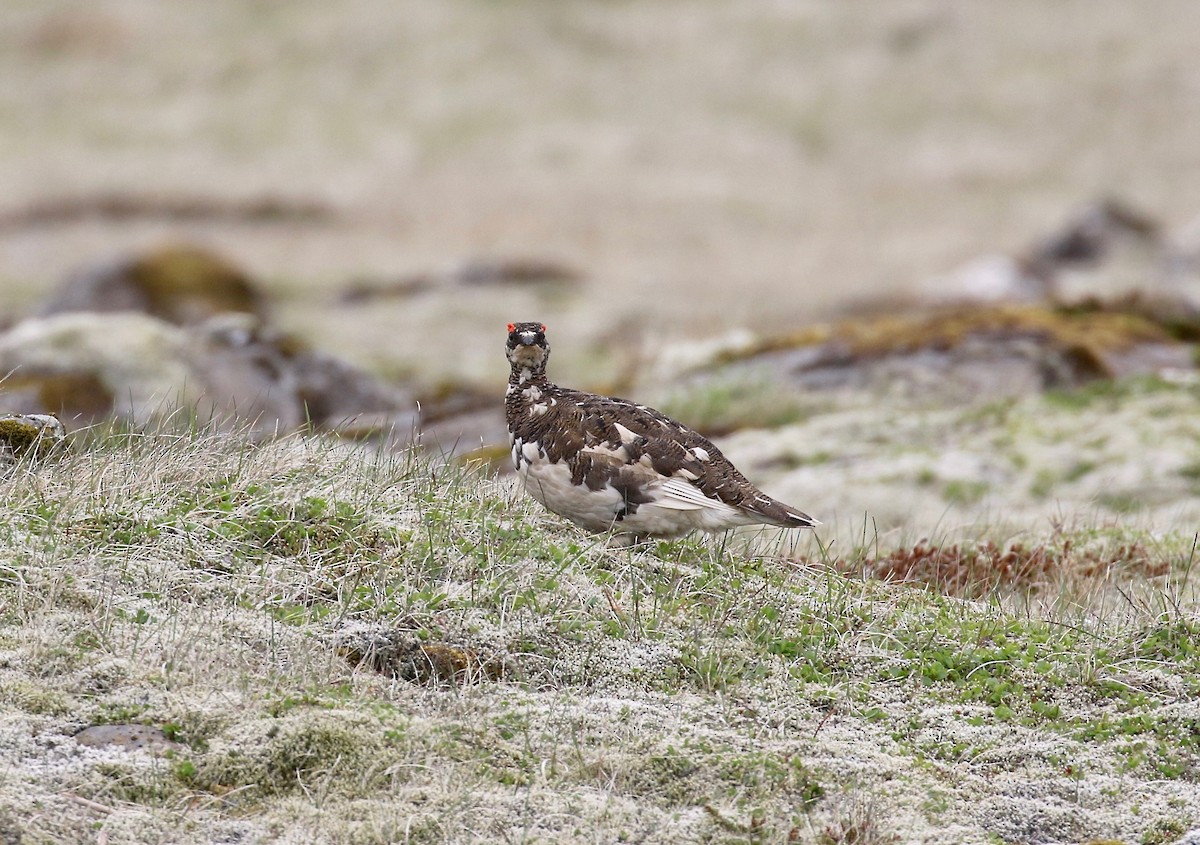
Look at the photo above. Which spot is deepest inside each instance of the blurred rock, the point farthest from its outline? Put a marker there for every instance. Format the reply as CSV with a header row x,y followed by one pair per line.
x,y
180,284
342,398
243,375
1095,233
123,207
680,357
91,366
989,279
972,352
1106,250
461,419
1184,257
467,433
139,369
512,271
366,290
481,272
1176,312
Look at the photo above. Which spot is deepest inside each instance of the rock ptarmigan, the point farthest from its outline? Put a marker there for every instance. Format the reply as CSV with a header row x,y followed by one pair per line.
x,y
611,464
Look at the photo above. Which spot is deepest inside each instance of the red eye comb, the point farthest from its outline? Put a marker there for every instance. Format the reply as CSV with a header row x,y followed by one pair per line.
x,y
511,326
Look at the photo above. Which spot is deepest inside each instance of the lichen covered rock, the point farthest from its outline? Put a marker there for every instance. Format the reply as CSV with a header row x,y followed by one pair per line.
x,y
35,435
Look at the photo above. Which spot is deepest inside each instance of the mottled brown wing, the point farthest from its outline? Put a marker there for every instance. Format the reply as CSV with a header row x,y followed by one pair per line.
x,y
674,451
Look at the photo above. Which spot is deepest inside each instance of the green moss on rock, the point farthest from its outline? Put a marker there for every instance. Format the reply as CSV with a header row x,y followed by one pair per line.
x,y
36,435
184,284
1085,338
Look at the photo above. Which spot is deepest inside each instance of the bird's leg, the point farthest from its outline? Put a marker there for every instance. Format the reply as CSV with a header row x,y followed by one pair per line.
x,y
633,542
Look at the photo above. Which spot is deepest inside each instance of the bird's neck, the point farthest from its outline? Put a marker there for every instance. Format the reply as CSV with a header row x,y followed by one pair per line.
x,y
523,377
526,387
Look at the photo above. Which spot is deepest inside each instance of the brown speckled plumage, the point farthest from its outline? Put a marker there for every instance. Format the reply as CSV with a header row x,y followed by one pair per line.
x,y
612,463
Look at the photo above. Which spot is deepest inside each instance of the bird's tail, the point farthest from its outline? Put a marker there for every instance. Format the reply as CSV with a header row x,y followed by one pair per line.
x,y
775,512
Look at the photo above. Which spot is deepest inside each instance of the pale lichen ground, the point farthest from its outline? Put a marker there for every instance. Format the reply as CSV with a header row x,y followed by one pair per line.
x,y
695,691
1116,455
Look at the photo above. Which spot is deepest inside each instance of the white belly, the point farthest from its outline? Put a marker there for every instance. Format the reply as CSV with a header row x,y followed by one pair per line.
x,y
597,510
550,484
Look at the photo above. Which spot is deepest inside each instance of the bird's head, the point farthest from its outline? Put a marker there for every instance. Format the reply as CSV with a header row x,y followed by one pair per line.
x,y
527,346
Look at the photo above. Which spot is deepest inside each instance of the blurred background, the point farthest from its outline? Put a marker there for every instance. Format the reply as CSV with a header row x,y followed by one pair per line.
x,y
400,179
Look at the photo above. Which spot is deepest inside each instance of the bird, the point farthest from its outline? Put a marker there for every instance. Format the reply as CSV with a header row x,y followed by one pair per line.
x,y
610,464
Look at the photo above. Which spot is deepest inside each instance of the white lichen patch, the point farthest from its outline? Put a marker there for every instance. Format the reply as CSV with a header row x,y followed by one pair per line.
x,y
1113,453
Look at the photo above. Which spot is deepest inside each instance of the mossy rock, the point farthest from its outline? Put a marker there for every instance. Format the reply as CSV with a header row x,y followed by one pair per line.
x,y
185,284
1086,335
447,663
493,457
996,350
36,435
79,395
127,737
181,284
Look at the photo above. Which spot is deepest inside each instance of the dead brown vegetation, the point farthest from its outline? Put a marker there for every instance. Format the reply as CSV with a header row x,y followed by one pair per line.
x,y
972,571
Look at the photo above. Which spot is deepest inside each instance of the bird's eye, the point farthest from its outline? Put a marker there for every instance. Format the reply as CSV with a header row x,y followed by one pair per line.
x,y
543,325
512,327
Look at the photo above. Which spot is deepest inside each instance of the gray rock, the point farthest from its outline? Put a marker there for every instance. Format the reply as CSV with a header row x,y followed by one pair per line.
x,y
126,737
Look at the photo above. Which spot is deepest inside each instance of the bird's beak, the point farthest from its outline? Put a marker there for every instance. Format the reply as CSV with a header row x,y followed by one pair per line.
x,y
527,338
